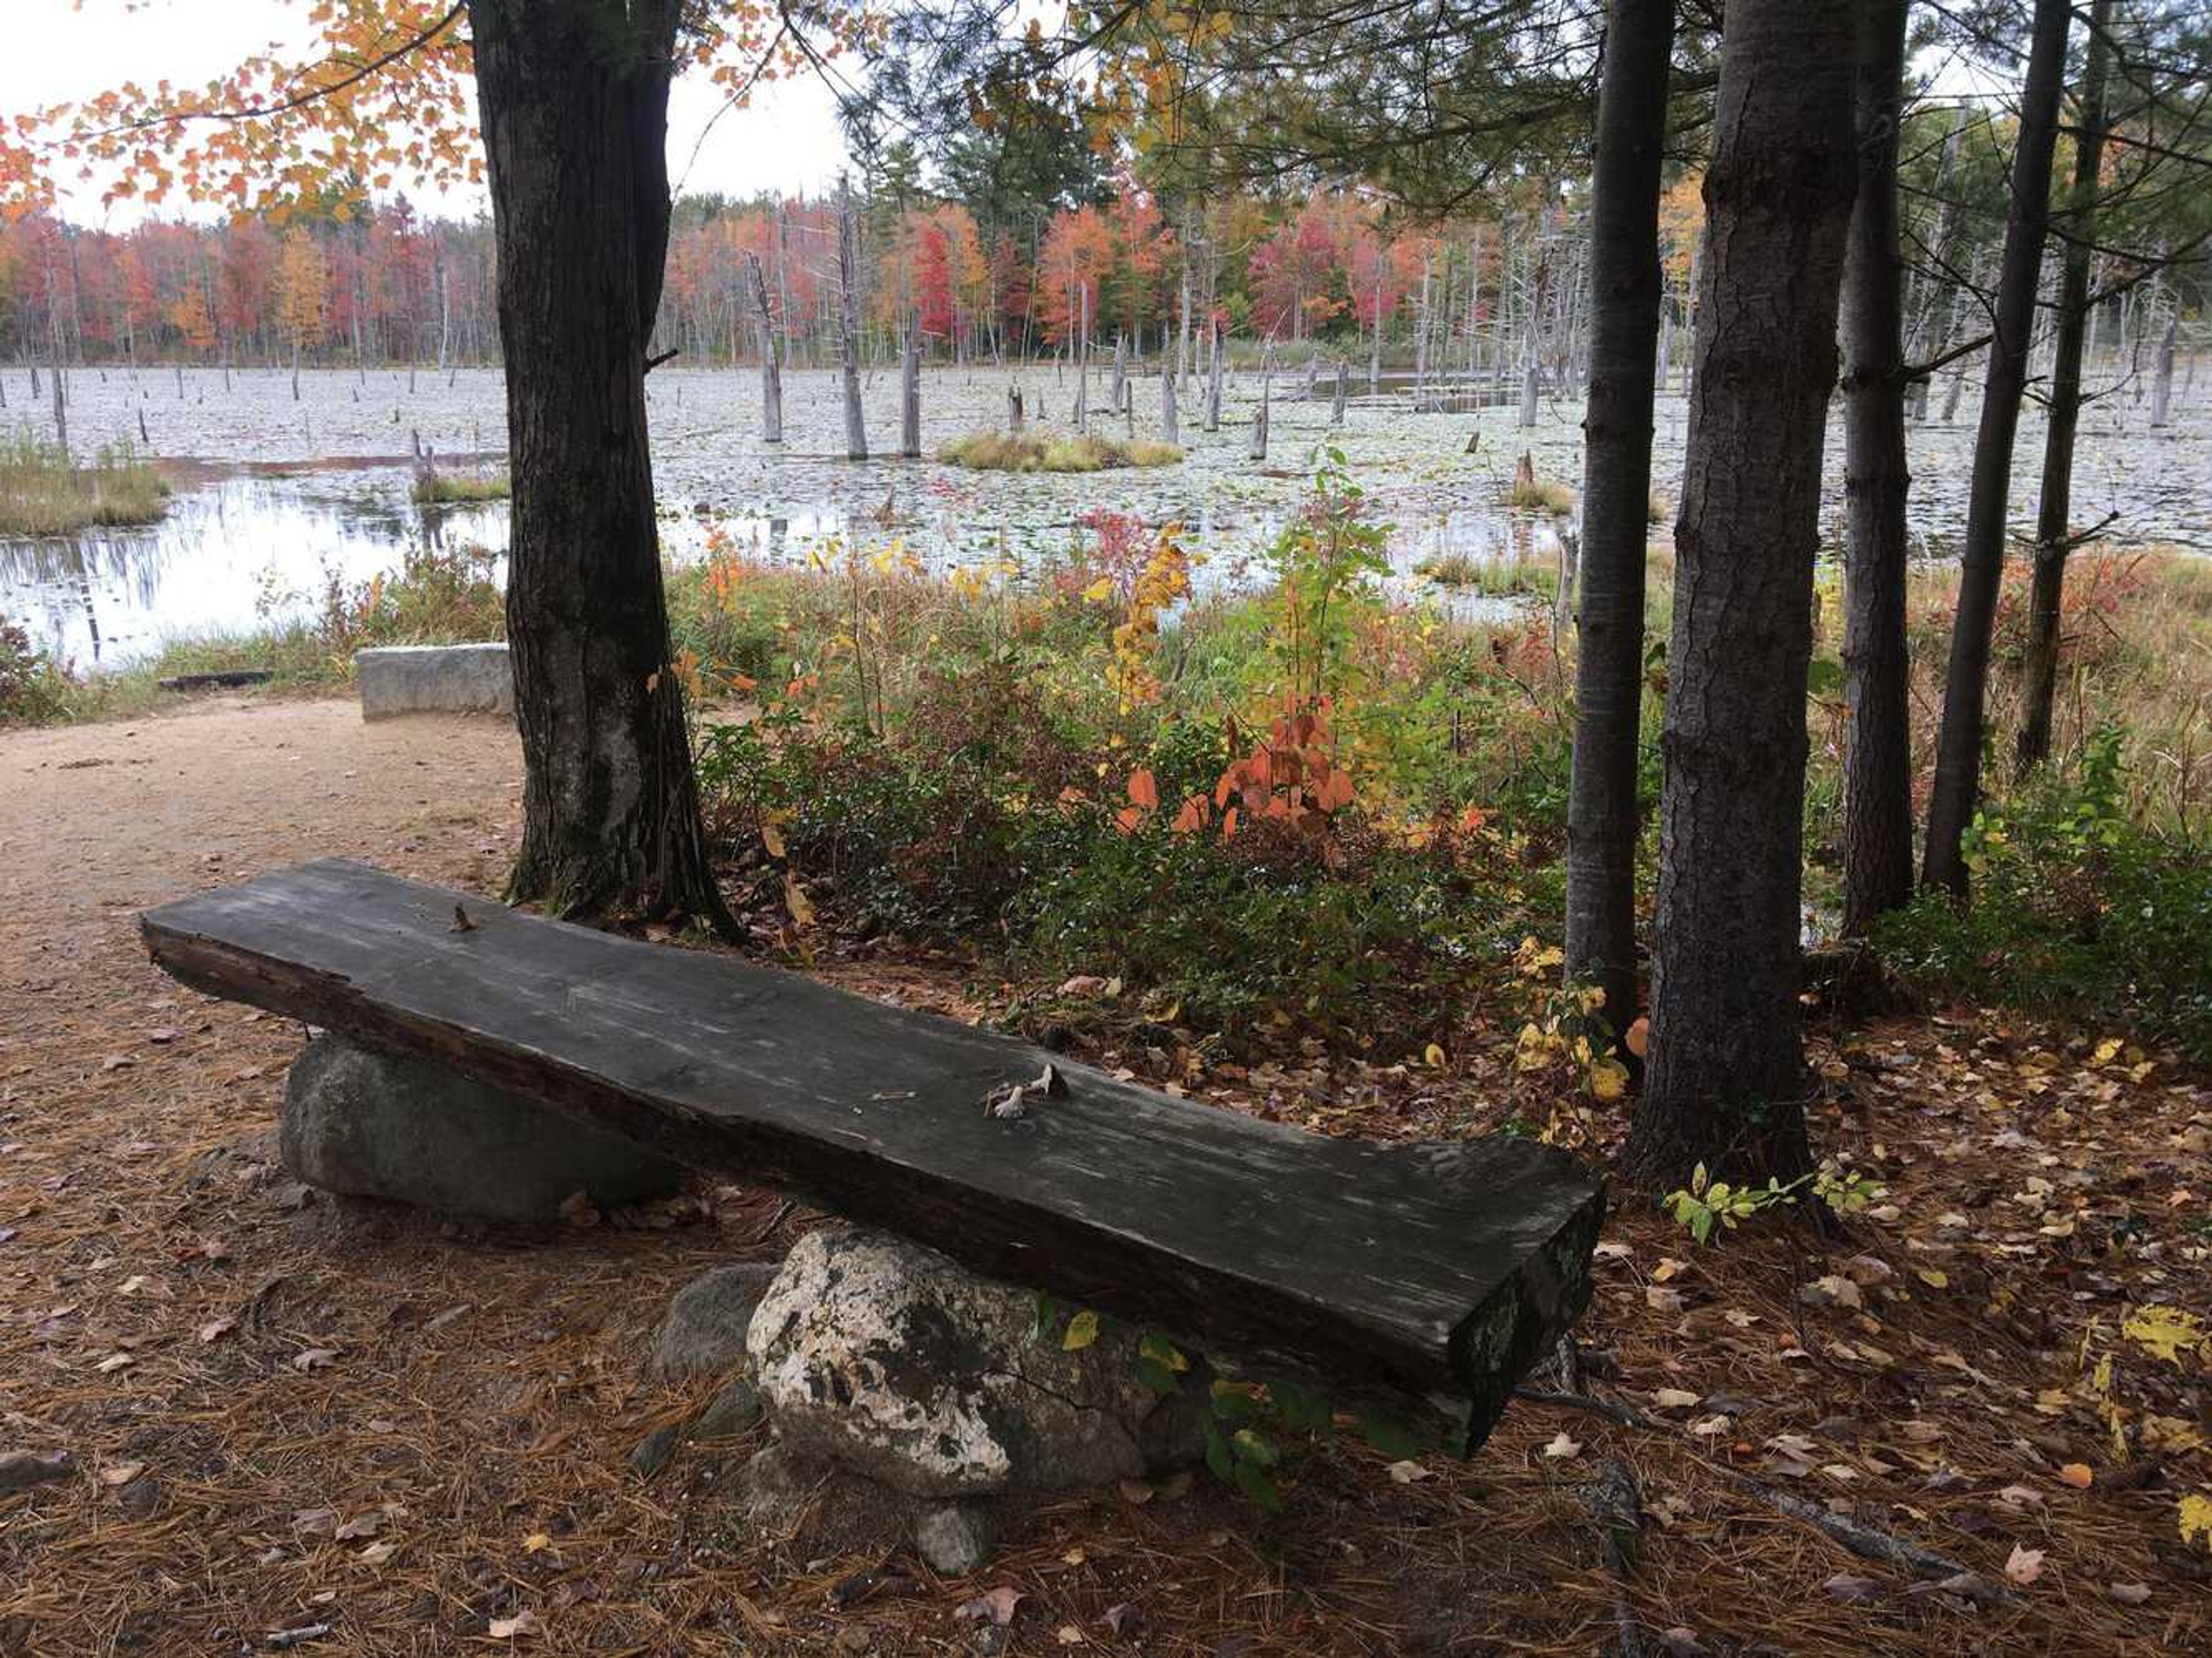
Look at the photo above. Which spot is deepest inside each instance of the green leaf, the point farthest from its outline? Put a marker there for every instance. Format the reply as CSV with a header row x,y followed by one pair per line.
x,y
1232,1401
1160,1348
1048,1311
1391,1438
1217,1454
1301,1409
1156,1377
1254,1482
1252,1447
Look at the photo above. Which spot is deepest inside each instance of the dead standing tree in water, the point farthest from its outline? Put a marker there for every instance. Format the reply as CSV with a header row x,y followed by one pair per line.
x,y
848,308
771,369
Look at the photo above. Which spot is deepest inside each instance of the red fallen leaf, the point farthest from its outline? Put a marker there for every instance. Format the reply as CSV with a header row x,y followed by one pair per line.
x,y
1191,817
1144,790
2024,1565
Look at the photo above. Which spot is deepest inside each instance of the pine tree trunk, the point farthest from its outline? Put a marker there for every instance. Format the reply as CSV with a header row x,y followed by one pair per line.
x,y
1602,819
1727,1081
1956,793
1878,754
2054,512
574,129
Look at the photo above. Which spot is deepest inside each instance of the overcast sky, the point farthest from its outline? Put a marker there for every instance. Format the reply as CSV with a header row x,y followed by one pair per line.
x,y
786,139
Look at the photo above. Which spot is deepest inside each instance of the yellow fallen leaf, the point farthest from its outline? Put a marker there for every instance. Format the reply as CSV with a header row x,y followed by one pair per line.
x,y
537,1543
1082,1330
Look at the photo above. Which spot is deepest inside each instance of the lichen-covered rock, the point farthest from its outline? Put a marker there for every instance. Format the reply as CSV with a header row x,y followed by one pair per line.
x,y
895,1363
372,1125
954,1538
704,1332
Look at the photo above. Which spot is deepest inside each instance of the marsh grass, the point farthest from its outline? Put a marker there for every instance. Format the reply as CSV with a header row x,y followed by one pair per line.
x,y
1537,494
436,488
1496,578
45,492
1037,451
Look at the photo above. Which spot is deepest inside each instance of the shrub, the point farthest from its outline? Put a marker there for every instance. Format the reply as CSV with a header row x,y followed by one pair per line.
x,y
1033,452
43,492
2076,911
32,686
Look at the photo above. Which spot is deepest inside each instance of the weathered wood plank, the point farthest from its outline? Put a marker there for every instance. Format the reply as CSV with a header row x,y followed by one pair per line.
x,y
1431,1273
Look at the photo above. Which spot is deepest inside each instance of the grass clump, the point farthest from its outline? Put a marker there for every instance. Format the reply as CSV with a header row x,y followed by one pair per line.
x,y
45,492
436,489
1537,495
1495,577
1037,451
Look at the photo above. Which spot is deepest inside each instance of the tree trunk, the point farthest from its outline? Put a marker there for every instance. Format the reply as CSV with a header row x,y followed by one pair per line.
x,y
2054,512
771,369
1343,392
1725,1082
2162,385
1625,277
1083,363
1170,415
910,391
1878,752
1966,683
575,128
1213,380
848,310
1259,447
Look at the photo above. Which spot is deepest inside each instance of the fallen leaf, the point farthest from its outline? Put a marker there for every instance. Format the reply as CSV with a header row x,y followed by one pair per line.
x,y
537,1543
1564,1446
121,1474
1846,1587
1070,1635
1659,1299
2128,1594
315,1358
216,1328
361,1525
2020,1496
2076,1475
1674,1399
525,1622
2024,1565
1410,1473
377,1554
998,1605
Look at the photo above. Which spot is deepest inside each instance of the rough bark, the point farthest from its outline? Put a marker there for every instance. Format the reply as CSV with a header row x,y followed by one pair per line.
x,y
1213,382
1726,1081
1878,752
2054,511
848,333
910,391
1170,414
771,368
1626,280
1965,686
575,123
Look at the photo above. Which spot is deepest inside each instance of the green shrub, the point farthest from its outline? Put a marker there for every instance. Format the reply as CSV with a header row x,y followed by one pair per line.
x,y
2076,911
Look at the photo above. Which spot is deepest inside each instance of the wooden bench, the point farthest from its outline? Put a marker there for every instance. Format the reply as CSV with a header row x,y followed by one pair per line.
x,y
1423,1278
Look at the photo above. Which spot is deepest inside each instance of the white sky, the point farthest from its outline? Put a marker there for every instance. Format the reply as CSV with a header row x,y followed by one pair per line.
x,y
786,139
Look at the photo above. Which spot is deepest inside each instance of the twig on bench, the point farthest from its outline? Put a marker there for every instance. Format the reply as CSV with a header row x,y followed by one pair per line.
x,y
1869,1544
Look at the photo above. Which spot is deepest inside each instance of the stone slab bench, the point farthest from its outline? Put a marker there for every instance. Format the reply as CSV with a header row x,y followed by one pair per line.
x,y
397,679
1423,1279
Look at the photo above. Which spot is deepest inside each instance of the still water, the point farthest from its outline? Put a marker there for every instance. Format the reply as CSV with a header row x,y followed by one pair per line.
x,y
241,552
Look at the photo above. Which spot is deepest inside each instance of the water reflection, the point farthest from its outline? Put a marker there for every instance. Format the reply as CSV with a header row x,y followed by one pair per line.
x,y
240,552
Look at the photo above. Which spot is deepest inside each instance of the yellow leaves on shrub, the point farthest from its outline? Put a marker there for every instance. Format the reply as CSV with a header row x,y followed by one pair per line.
x,y
1082,1330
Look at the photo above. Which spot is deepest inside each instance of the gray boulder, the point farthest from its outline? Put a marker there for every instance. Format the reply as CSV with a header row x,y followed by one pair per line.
x,y
704,1332
371,1125
887,1360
